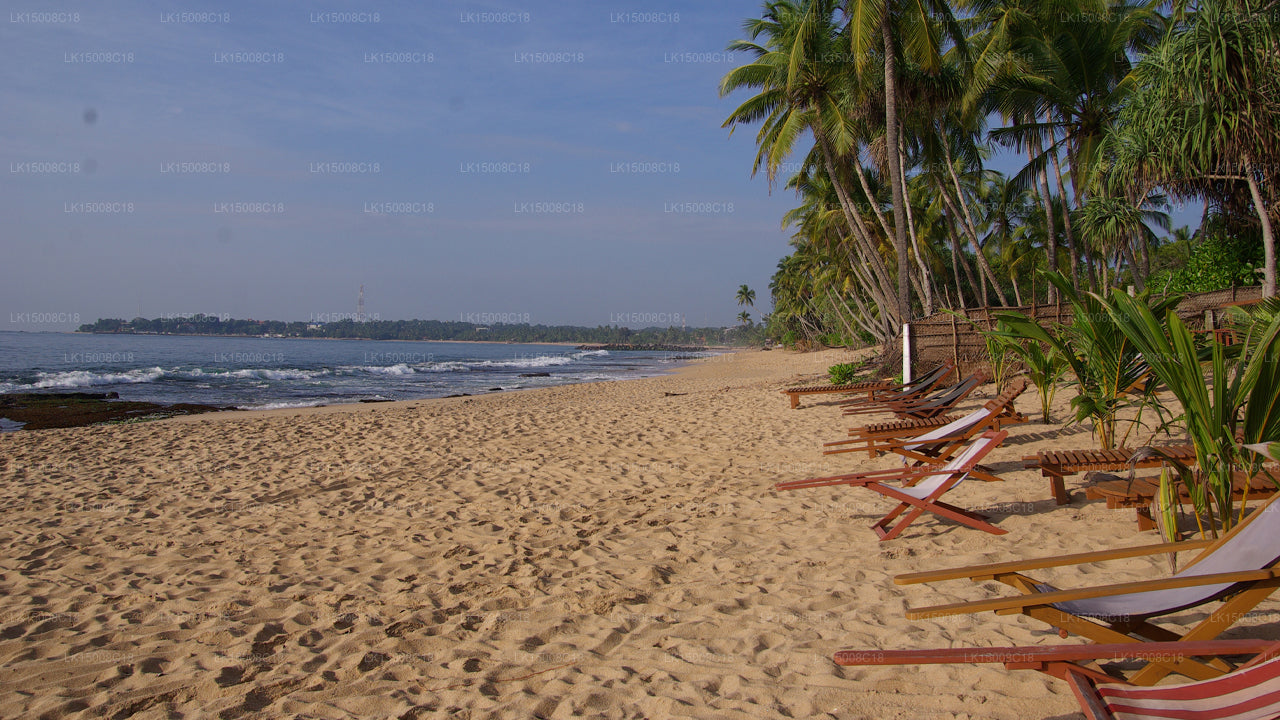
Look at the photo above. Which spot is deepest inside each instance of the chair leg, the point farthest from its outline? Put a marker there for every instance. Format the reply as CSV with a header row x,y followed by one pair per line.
x,y
966,517
882,526
918,507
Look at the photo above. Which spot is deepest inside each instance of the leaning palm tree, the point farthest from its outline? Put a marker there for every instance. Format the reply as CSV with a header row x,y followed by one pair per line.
x,y
797,68
746,296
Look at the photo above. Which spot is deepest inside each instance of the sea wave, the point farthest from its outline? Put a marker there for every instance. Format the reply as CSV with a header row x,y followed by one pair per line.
x,y
451,366
533,362
254,374
286,405
401,369
86,378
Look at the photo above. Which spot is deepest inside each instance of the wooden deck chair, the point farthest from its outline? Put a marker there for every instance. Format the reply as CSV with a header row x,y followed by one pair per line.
x,y
1239,569
936,403
917,388
940,445
1250,693
906,436
869,387
920,490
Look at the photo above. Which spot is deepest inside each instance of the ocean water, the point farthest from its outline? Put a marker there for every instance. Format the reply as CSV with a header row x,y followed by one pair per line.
x,y
264,373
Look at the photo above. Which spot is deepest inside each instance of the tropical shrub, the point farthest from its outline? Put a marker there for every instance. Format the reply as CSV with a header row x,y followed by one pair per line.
x,y
1043,365
1108,368
1233,407
1216,262
843,373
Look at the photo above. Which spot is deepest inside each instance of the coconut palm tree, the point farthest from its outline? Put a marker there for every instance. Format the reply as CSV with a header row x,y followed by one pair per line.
x,y
897,32
1118,227
799,71
1205,116
746,296
1064,87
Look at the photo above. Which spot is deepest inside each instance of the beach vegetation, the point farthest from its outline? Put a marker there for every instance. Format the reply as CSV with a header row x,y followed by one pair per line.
x,y
845,373
1227,394
882,117
1111,372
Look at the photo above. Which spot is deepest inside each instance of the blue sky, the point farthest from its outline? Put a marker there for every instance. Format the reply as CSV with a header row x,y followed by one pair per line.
x,y
560,162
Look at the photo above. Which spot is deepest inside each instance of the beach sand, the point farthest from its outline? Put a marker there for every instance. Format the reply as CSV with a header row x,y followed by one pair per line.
x,y
606,550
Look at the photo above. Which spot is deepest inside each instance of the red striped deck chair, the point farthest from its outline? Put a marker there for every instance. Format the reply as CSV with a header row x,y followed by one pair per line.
x,y
1250,693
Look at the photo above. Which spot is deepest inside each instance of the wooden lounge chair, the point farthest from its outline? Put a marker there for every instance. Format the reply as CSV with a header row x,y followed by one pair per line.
x,y
1057,464
920,490
891,436
927,407
869,387
916,388
940,445
1240,569
1250,693
1141,493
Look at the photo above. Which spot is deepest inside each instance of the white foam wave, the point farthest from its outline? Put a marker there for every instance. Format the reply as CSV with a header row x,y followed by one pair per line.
x,y
283,405
265,374
533,362
400,369
85,378
447,367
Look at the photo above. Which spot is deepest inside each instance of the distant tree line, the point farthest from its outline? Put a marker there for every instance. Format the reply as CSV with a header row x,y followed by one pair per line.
x,y
424,330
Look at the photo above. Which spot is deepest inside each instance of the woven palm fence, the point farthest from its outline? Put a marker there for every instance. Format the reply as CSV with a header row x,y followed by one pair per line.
x,y
943,336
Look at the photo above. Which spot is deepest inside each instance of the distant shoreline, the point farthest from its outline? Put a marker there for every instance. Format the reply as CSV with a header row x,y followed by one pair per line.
x,y
562,343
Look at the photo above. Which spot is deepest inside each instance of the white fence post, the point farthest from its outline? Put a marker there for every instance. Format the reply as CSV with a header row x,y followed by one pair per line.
x,y
906,352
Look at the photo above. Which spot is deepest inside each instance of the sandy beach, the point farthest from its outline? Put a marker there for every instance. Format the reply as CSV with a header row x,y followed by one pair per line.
x,y
605,550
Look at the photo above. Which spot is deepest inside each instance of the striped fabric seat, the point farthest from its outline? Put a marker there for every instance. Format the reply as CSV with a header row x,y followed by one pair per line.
x,y
1251,693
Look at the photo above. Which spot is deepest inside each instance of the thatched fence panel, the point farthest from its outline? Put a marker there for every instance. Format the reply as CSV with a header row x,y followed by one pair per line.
x,y
943,336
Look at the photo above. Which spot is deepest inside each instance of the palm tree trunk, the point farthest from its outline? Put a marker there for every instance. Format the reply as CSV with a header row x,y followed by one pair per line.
x,y
1145,256
968,271
973,231
926,280
984,267
955,268
835,308
1127,247
871,199
895,176
1268,234
1066,220
1078,194
880,325
853,216
1051,242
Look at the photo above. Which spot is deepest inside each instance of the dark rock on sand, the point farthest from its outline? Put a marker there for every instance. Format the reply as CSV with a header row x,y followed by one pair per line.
x,y
40,411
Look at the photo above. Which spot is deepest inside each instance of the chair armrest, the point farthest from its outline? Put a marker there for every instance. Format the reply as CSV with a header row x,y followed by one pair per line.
x,y
1021,602
1162,651
858,477
987,572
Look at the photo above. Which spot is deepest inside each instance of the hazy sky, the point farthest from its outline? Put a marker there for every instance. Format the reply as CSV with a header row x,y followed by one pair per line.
x,y
555,162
